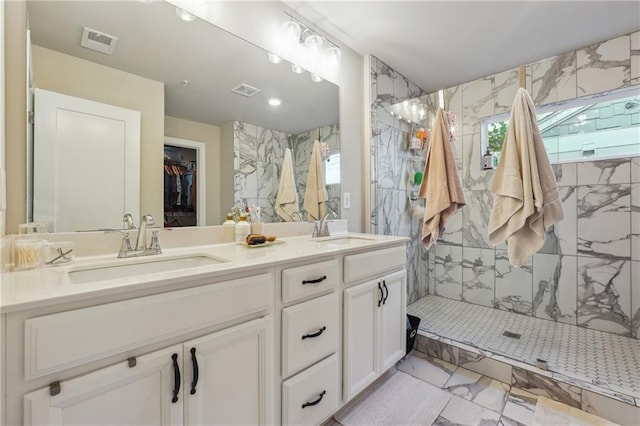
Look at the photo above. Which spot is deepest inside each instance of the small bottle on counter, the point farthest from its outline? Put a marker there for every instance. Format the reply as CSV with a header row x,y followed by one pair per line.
x,y
243,228
229,220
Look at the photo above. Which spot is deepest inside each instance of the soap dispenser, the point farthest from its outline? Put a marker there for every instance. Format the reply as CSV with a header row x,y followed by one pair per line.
x,y
229,220
243,229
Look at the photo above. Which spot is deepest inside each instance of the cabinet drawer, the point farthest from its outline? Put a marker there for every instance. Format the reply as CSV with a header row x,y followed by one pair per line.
x,y
68,339
309,332
311,396
303,281
370,264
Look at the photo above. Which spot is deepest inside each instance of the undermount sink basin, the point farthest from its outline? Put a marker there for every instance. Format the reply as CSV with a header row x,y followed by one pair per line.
x,y
143,266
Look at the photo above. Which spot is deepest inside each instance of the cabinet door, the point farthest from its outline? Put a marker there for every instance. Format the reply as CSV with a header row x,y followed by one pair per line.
x,y
234,376
393,320
115,395
360,336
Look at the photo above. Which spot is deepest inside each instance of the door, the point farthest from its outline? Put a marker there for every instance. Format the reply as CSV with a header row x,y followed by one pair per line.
x,y
86,163
229,376
393,320
361,336
117,395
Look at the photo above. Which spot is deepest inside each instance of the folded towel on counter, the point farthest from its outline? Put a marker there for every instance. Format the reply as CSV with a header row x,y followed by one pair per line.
x,y
287,198
315,195
526,200
441,184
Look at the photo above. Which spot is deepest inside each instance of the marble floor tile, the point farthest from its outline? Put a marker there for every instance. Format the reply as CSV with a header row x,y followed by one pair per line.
x,y
513,285
448,271
477,388
554,287
520,406
459,411
506,421
478,276
426,368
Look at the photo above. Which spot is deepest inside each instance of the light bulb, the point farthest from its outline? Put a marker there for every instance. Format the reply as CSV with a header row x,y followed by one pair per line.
x,y
316,78
273,58
334,57
274,101
297,69
291,32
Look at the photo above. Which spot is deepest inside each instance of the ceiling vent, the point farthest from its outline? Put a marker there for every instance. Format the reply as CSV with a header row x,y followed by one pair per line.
x,y
245,90
100,42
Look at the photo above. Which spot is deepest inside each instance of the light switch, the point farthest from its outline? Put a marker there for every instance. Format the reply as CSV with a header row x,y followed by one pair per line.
x,y
346,200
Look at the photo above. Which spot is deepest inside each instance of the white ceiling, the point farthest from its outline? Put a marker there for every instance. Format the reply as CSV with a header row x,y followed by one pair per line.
x,y
438,44
154,43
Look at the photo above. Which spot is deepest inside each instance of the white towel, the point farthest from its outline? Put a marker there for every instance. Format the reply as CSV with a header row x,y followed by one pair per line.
x,y
315,195
441,184
526,200
287,198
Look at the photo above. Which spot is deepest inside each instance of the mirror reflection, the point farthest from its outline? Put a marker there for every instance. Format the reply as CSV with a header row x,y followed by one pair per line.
x,y
180,77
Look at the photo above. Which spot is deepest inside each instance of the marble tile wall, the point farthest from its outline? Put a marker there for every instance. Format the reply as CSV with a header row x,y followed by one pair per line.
x,y
588,271
391,163
258,156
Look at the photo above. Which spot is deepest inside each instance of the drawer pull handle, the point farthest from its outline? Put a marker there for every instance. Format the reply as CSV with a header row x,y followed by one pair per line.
x,y
319,332
316,281
196,371
176,378
316,402
381,294
384,284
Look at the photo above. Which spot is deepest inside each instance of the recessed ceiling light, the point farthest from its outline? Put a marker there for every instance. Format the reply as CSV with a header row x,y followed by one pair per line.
x,y
184,15
274,101
186,83
274,59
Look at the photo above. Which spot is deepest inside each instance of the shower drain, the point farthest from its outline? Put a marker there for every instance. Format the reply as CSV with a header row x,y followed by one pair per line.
x,y
511,335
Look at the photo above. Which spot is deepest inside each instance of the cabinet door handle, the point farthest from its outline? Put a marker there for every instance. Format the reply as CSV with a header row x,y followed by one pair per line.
x,y
316,402
384,284
176,378
316,281
381,294
196,372
309,336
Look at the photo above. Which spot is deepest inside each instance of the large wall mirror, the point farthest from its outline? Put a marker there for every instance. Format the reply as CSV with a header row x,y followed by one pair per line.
x,y
180,75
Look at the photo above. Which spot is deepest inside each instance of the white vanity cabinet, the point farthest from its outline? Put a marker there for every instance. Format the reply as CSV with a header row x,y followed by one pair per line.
x,y
116,395
374,318
310,343
219,379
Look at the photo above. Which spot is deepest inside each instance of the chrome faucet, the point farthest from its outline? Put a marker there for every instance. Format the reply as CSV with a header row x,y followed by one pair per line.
x,y
321,228
128,221
141,242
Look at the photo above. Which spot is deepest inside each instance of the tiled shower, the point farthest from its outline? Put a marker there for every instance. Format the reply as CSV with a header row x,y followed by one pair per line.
x,y
258,156
588,272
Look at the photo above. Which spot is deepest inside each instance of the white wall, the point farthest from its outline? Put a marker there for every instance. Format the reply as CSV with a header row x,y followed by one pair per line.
x,y
258,22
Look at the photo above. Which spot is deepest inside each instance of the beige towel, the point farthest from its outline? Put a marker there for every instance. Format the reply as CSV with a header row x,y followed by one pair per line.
x,y
315,195
526,200
441,184
287,197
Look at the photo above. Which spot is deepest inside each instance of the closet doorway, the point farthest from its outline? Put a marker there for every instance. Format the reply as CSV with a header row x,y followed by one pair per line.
x,y
184,182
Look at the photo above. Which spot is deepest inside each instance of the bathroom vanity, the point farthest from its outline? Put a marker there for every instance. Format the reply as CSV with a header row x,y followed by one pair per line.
x,y
215,334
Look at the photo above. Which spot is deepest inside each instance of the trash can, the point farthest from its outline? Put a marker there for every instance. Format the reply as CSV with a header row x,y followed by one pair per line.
x,y
412,331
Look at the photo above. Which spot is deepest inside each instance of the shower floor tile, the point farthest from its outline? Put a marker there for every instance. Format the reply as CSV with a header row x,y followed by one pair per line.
x,y
604,360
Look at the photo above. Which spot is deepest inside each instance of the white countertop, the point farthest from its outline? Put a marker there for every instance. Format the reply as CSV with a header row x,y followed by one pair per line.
x,y
48,286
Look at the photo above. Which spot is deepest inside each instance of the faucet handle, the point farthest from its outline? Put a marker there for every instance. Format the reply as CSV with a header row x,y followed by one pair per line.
x,y
316,229
125,245
155,243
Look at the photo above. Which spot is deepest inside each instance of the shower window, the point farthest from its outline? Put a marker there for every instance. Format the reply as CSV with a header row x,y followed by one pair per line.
x,y
589,128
